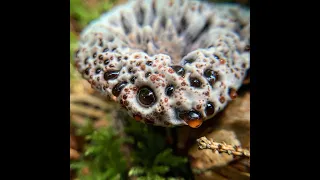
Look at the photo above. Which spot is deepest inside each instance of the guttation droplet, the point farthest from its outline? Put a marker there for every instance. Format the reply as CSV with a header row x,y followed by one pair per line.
x,y
146,96
169,90
211,76
195,82
147,74
209,109
116,90
86,71
111,74
133,79
192,118
179,70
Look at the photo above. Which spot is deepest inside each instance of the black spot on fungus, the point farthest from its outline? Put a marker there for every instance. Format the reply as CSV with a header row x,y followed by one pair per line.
x,y
111,74
169,90
195,82
106,50
100,57
149,63
116,90
94,55
146,96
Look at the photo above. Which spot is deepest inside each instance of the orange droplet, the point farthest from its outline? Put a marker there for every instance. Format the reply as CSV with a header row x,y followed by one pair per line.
x,y
233,94
222,61
137,117
195,123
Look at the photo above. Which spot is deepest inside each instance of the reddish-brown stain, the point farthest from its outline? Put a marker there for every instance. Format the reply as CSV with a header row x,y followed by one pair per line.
x,y
233,94
137,117
222,61
222,99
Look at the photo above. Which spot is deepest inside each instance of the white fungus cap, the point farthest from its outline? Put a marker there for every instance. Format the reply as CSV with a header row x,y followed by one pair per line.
x,y
168,62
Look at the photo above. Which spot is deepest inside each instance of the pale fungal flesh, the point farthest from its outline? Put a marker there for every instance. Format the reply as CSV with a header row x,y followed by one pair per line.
x,y
169,63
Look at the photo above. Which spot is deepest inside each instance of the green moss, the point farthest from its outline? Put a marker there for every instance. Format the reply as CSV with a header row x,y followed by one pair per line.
x,y
152,158
80,11
102,155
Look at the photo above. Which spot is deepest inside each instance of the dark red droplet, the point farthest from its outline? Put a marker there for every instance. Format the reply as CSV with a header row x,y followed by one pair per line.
x,y
87,71
133,79
169,90
195,82
209,109
179,70
211,76
146,96
98,70
106,62
116,90
148,74
111,74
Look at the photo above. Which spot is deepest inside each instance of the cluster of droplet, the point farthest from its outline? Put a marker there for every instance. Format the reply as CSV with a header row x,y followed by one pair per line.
x,y
132,69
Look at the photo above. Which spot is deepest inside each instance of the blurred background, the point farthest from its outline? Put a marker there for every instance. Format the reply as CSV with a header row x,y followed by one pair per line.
x,y
107,144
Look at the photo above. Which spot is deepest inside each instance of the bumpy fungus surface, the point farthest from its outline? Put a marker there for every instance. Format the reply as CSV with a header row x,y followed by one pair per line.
x,y
168,62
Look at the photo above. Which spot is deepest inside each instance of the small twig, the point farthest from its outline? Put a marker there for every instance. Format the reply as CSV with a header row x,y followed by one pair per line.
x,y
205,143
